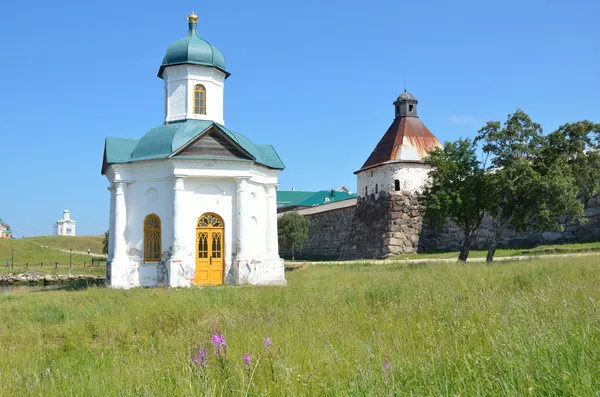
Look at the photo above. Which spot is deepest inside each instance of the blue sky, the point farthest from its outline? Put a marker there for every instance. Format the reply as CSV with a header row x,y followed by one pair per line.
x,y
316,79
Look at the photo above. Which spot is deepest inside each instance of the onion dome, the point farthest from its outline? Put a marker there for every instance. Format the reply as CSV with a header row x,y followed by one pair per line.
x,y
194,50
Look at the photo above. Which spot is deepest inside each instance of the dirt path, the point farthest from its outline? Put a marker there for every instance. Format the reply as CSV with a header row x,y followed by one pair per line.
x,y
75,252
445,260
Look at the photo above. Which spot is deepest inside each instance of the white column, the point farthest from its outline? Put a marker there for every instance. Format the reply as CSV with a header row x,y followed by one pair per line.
x,y
120,223
243,200
111,224
178,237
271,237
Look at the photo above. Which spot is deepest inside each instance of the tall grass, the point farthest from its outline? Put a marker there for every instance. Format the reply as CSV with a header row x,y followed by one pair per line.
x,y
527,328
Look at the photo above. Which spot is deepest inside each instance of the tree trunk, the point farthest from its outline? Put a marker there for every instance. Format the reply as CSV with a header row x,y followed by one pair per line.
x,y
498,231
293,251
466,248
491,250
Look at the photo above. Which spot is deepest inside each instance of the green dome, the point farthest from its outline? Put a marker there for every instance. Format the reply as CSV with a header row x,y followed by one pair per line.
x,y
194,50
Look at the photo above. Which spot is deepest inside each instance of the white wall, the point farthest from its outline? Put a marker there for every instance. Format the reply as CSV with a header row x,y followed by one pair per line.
x,y
180,81
143,198
209,186
412,177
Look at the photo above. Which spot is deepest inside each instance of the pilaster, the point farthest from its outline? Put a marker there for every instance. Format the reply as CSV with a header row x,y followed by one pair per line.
x,y
271,232
243,199
178,267
120,221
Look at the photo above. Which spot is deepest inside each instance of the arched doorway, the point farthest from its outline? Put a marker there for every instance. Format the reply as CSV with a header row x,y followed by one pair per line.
x,y
209,249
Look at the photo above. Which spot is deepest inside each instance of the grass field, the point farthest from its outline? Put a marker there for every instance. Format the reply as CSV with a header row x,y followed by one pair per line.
x,y
540,250
526,328
570,248
33,250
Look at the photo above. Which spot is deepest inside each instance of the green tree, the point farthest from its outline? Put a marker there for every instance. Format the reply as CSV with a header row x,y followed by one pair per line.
x,y
292,231
513,185
105,243
536,179
456,190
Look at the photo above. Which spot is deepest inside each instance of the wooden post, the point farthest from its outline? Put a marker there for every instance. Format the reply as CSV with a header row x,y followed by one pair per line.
x,y
26,265
56,265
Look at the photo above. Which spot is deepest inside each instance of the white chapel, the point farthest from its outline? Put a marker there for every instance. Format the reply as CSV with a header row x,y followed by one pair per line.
x,y
65,226
192,202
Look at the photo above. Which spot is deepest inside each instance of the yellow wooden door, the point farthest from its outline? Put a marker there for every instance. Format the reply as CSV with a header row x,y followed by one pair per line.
x,y
209,250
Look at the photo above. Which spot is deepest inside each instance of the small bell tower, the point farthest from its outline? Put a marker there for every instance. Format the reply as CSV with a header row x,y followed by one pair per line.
x,y
406,105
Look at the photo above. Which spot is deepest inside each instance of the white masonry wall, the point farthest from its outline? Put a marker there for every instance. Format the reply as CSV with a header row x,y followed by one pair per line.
x,y
412,177
180,81
208,186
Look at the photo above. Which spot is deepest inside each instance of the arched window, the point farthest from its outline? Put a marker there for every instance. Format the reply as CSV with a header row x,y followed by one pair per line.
x,y
199,99
152,238
397,185
376,188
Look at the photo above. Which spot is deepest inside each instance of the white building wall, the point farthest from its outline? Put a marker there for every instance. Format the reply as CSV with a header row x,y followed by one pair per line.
x,y
142,199
65,228
215,195
412,178
208,186
180,81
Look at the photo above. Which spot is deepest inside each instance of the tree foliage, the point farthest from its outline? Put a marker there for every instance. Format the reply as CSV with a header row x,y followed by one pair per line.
x,y
536,179
514,186
292,231
456,190
531,182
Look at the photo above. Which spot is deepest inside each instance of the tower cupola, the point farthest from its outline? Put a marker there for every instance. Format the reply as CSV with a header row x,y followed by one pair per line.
x,y
406,105
194,74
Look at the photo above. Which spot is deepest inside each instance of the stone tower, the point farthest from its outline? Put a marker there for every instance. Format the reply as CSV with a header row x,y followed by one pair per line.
x,y
388,214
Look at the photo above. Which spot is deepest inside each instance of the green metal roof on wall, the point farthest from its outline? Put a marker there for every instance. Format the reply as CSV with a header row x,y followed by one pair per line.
x,y
164,140
286,199
194,50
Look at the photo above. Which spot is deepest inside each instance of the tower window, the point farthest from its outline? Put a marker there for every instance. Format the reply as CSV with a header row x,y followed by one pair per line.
x,y
366,190
410,108
376,188
397,185
199,99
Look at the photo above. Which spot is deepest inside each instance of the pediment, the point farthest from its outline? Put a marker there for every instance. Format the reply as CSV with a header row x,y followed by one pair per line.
x,y
214,144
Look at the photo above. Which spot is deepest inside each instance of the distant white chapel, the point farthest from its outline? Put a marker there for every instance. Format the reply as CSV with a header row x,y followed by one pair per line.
x,y
65,226
192,202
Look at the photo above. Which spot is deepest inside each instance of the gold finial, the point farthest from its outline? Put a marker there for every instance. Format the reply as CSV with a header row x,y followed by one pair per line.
x,y
193,17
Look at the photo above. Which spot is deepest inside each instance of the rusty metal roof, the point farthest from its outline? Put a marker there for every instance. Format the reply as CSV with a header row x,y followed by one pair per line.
x,y
407,139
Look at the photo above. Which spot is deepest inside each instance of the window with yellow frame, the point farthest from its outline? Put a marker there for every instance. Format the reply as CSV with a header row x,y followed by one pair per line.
x,y
199,99
152,238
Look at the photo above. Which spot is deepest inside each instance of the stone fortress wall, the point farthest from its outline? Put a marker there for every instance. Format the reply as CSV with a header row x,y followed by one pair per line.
x,y
391,224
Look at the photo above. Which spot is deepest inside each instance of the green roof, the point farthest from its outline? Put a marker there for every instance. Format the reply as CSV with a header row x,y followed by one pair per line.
x,y
164,140
194,50
287,199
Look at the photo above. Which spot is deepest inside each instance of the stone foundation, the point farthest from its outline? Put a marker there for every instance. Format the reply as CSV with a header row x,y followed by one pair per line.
x,y
385,225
